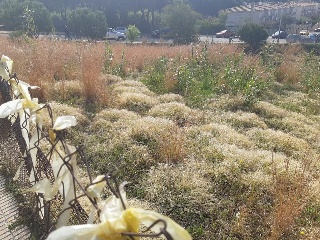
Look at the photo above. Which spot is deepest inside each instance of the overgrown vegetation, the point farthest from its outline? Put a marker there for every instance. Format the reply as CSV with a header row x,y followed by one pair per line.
x,y
223,142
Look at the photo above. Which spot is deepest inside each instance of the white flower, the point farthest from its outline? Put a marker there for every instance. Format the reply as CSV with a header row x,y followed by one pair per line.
x,y
5,67
11,107
61,123
64,122
22,88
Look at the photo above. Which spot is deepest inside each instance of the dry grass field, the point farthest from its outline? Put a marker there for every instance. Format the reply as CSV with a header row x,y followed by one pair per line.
x,y
223,167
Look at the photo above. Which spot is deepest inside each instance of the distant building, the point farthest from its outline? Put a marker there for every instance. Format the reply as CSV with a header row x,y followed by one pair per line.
x,y
264,12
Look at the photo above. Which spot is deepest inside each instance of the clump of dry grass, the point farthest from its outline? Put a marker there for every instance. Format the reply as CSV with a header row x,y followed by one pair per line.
x,y
132,95
59,109
291,195
137,102
289,71
300,102
115,115
67,91
279,141
177,112
170,97
226,102
242,120
226,134
131,86
185,184
269,110
92,66
164,138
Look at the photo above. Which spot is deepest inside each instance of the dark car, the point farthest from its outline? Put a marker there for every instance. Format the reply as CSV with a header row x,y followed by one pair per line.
x,y
225,34
280,35
160,32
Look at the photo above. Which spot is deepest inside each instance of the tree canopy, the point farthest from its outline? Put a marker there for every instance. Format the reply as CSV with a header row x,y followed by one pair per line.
x,y
182,20
253,34
146,15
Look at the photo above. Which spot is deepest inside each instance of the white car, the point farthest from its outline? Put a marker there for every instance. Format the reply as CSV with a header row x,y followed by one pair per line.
x,y
121,29
115,35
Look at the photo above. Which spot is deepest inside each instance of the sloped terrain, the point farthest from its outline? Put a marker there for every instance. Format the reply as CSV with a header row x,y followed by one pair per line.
x,y
228,170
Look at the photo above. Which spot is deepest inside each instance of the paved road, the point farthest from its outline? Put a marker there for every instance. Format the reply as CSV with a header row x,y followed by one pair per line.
x,y
205,38
213,39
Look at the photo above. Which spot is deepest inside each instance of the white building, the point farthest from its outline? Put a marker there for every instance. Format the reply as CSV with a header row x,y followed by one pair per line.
x,y
264,12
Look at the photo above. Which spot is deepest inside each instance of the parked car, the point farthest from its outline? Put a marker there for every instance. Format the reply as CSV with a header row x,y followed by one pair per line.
x,y
225,34
160,32
112,34
293,38
121,29
317,30
280,35
297,38
304,32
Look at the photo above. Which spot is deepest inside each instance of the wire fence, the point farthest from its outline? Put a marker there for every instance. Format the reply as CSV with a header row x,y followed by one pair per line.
x,y
44,158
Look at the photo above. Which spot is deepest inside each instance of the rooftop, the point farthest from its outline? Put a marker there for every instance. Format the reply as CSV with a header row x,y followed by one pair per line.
x,y
261,6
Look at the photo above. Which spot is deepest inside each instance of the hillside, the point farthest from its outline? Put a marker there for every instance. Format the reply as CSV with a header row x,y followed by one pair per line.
x,y
223,171
241,163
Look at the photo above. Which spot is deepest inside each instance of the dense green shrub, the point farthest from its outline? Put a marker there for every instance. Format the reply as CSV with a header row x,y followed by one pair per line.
x,y
154,76
253,34
132,33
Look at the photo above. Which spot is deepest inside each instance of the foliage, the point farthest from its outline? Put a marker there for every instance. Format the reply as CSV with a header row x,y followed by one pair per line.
x,y
196,79
182,21
311,80
41,16
85,22
30,28
210,26
155,75
244,80
132,33
253,34
14,16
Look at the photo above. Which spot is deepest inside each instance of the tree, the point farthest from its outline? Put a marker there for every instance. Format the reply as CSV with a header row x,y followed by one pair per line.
x,y
253,34
14,17
41,16
132,33
85,22
182,20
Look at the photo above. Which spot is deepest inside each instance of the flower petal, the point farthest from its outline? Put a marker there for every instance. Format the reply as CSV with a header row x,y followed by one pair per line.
x,y
69,192
112,207
5,67
10,107
76,232
96,188
64,122
8,61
